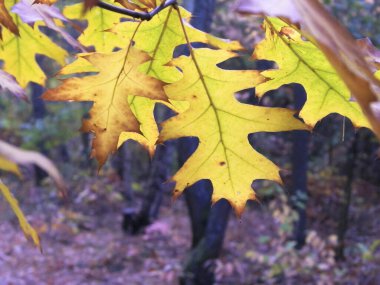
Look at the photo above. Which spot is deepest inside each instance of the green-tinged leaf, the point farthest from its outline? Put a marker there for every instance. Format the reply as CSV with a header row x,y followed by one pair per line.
x,y
165,34
300,61
99,20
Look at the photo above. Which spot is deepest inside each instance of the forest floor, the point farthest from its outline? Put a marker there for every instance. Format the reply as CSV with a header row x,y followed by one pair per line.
x,y
83,242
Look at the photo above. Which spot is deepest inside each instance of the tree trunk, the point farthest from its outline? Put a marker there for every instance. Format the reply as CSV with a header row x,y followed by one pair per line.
x,y
134,221
344,211
122,163
208,223
199,264
38,113
299,172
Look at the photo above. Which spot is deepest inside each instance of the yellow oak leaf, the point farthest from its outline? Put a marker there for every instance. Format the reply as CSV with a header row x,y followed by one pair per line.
x,y
222,125
111,114
302,62
18,53
141,107
99,20
79,65
28,230
165,34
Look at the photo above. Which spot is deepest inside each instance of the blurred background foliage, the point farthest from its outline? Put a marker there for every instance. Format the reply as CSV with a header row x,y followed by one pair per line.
x,y
260,249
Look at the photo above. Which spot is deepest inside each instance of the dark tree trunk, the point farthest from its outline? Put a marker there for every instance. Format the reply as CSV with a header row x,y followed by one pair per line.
x,y
134,221
38,113
125,171
199,264
39,108
64,152
158,175
122,163
299,172
198,196
344,211
208,223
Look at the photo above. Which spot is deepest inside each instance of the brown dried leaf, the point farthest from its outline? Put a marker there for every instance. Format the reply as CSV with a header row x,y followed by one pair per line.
x,y
6,19
127,4
46,2
89,4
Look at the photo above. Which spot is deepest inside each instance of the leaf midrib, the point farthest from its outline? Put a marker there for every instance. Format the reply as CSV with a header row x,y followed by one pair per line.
x,y
202,78
330,87
155,50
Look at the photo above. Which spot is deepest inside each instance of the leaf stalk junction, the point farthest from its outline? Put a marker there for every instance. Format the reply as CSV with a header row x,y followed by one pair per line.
x,y
144,16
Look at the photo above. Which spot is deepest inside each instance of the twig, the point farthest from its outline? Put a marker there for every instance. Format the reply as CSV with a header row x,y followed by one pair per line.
x,y
145,16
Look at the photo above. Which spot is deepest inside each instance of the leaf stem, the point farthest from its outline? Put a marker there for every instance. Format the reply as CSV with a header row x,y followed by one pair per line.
x,y
145,16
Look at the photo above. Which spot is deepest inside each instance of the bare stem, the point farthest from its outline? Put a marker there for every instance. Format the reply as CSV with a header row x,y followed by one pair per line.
x,y
145,16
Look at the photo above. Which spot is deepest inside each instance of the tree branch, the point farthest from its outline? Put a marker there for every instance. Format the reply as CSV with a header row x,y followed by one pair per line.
x,y
145,16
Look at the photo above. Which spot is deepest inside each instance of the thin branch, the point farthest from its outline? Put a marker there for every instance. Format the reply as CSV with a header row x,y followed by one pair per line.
x,y
145,16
